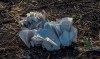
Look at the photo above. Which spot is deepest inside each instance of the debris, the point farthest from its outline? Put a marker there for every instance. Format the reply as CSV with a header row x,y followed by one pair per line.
x,y
50,34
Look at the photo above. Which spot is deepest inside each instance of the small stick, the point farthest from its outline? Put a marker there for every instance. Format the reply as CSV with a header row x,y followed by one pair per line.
x,y
48,56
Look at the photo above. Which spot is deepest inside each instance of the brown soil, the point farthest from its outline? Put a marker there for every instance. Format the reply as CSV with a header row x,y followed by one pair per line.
x,y
87,13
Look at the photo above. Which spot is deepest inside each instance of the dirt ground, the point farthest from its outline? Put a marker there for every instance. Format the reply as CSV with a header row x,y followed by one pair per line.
x,y
86,14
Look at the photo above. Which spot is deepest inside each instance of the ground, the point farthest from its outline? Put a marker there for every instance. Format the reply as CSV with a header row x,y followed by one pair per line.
x,y
86,14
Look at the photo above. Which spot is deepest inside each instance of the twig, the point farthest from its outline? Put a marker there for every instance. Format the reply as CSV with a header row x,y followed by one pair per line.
x,y
7,22
48,56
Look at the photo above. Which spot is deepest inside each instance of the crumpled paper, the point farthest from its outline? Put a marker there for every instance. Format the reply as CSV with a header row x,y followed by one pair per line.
x,y
50,34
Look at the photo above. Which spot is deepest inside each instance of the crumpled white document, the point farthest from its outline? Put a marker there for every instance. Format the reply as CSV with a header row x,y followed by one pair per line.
x,y
50,34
